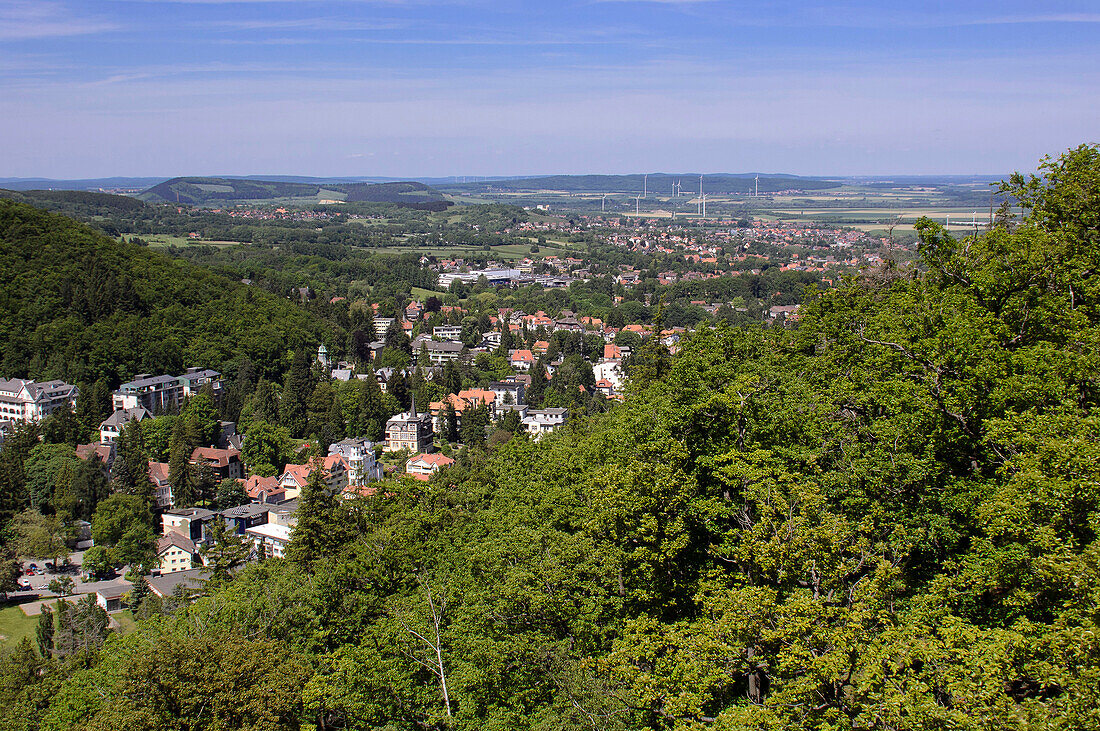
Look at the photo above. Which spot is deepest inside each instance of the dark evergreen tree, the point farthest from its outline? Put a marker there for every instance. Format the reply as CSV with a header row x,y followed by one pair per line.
x,y
297,386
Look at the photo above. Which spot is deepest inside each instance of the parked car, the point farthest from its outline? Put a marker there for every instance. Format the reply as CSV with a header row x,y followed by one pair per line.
x,y
51,566
32,566
24,584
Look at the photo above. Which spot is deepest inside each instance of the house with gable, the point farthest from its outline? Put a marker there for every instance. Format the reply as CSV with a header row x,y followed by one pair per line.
x,y
423,466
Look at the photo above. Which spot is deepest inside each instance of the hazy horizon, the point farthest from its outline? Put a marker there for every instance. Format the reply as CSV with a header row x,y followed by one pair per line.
x,y
424,88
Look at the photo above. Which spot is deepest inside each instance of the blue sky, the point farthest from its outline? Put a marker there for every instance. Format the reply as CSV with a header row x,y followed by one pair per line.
x,y
92,88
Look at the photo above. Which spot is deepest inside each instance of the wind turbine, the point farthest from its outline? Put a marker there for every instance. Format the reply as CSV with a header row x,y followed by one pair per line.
x,y
757,193
704,205
637,205
603,203
645,186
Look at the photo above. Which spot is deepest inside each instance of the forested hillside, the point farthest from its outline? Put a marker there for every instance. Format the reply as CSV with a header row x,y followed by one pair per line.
x,y
883,519
222,191
80,306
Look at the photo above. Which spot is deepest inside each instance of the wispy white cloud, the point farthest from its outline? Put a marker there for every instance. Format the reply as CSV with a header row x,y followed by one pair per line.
x,y
326,24
1040,18
32,19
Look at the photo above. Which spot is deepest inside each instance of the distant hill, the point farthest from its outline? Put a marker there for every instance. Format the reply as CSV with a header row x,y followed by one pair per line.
x,y
81,306
221,191
658,183
116,183
78,203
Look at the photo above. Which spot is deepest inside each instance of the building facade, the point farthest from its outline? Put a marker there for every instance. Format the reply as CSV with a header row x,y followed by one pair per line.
x,y
410,430
22,400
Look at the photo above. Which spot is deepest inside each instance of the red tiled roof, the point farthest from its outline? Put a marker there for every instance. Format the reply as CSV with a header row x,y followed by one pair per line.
x,y
215,457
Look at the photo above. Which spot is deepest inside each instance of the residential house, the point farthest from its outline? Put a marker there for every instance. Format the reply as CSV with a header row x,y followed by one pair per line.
x,y
113,425
606,387
225,463
176,552
246,516
194,523
410,430
162,488
423,466
265,490
333,470
358,455
539,422
105,452
521,360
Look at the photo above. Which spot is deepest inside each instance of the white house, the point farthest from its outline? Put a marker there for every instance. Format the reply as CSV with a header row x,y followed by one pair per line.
x,y
358,455
22,400
423,466
543,421
270,539
611,371
113,425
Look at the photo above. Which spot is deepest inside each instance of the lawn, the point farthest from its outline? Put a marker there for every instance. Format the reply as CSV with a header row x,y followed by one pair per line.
x,y
420,294
14,626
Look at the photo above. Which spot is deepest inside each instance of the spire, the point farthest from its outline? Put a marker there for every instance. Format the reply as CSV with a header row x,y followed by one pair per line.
x,y
412,405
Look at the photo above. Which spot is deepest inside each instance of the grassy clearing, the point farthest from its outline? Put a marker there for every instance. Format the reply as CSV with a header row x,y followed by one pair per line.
x,y
15,626
126,621
421,294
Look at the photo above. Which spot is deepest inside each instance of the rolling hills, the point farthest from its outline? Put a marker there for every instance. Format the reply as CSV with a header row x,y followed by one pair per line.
x,y
222,191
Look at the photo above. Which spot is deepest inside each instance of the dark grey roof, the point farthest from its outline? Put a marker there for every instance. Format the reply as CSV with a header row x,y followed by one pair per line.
x,y
248,510
193,513
165,584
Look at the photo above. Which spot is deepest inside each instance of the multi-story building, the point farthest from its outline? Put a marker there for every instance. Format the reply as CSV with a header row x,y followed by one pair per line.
x,y
358,455
193,379
410,430
440,353
447,332
270,539
162,488
511,392
156,394
22,400
333,471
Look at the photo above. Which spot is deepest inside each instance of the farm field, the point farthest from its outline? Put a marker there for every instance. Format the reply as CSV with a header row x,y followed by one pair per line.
x,y
164,240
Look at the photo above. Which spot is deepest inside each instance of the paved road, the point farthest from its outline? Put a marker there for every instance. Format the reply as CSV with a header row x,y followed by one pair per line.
x,y
40,584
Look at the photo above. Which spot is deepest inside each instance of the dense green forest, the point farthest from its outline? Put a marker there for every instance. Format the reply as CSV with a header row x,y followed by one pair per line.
x,y
80,306
883,519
